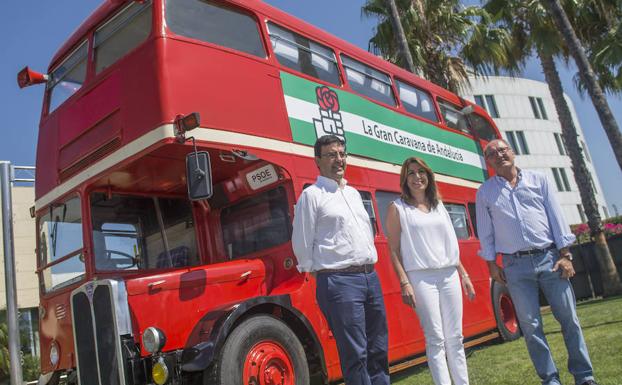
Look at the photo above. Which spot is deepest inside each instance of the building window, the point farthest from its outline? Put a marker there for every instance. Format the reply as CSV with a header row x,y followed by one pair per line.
x,y
492,106
593,185
479,100
562,172
560,144
517,141
581,213
537,106
522,142
542,110
488,103
561,179
605,211
587,154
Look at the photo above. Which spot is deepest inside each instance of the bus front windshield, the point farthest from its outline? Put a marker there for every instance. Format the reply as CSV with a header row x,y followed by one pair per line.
x,y
60,245
139,233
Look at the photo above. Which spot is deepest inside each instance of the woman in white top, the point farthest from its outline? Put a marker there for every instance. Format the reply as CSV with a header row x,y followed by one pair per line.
x,y
425,256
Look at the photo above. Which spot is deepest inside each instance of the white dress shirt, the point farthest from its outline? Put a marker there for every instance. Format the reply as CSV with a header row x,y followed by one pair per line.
x,y
331,228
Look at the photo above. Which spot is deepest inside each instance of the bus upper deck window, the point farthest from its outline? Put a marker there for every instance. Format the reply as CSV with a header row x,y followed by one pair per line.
x,y
368,81
301,54
452,116
118,36
68,77
482,127
416,101
214,23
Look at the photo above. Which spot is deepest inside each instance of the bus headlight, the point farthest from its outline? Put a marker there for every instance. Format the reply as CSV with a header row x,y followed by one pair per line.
x,y
159,372
154,339
54,353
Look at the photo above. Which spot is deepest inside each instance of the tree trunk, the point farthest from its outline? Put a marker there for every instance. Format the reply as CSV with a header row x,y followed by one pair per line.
x,y
400,36
588,78
607,267
611,280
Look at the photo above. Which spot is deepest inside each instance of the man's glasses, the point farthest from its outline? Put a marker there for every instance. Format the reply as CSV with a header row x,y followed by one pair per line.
x,y
501,151
333,155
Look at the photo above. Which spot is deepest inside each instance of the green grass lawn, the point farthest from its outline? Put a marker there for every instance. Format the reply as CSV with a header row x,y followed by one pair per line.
x,y
509,363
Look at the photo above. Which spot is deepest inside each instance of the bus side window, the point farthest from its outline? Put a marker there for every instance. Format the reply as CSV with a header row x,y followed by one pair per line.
x,y
452,116
368,81
124,32
256,223
473,217
482,127
458,215
416,101
369,207
67,78
215,23
303,55
384,199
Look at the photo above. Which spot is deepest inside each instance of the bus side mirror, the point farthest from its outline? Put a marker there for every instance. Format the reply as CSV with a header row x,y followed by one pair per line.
x,y
199,175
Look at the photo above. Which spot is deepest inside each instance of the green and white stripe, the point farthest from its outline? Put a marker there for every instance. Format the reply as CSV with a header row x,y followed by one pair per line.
x,y
379,133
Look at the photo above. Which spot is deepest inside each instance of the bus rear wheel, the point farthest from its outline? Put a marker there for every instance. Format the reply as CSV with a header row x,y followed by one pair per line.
x,y
262,350
505,315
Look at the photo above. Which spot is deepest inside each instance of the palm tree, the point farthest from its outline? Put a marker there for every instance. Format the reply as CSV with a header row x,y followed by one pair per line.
x,y
400,36
587,75
4,351
598,25
527,23
433,28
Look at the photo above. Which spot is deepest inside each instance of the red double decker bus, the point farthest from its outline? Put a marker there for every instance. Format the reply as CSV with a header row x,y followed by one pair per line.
x,y
158,268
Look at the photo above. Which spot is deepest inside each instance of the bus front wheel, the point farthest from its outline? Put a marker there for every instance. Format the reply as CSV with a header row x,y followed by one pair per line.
x,y
505,315
262,350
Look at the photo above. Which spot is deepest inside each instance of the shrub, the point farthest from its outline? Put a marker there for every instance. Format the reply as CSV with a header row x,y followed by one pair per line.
x,y
611,226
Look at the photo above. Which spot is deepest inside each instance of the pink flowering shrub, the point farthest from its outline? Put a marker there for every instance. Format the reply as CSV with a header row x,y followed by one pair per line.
x,y
611,227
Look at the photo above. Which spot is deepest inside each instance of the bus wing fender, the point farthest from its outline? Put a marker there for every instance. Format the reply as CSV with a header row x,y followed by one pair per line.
x,y
217,325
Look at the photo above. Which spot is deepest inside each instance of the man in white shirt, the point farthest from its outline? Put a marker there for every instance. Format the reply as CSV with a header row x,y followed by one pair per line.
x,y
333,239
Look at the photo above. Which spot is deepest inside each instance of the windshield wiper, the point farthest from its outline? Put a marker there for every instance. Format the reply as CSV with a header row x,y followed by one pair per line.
x,y
54,231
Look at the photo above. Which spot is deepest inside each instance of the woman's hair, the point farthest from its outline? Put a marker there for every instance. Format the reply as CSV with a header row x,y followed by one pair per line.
x,y
431,191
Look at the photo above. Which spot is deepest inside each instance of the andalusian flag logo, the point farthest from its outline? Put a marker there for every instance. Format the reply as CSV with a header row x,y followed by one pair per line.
x,y
375,131
330,122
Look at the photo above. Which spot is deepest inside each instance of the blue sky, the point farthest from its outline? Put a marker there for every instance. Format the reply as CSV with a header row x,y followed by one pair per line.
x,y
34,30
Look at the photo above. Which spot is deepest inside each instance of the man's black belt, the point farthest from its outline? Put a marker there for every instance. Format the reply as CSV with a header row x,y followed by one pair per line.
x,y
351,269
531,252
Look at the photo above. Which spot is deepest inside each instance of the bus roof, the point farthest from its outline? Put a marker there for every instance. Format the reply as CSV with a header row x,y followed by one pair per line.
x,y
109,6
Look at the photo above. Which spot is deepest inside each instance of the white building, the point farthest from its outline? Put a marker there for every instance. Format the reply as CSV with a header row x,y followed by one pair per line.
x,y
524,112
25,266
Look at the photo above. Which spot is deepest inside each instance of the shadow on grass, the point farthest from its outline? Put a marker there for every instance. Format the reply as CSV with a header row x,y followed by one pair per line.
x,y
404,374
586,327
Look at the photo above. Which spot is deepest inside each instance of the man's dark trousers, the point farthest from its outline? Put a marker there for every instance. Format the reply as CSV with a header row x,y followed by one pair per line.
x,y
354,308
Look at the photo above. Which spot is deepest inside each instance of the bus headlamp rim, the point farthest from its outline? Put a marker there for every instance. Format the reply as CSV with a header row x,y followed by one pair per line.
x,y
154,339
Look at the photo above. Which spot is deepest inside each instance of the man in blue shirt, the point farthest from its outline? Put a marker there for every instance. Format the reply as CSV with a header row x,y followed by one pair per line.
x,y
519,217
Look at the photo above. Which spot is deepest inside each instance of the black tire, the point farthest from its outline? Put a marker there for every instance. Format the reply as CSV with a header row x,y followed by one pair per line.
x,y
261,344
505,314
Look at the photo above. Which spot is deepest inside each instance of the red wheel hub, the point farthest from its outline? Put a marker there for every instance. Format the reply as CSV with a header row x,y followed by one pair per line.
x,y
508,315
267,363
